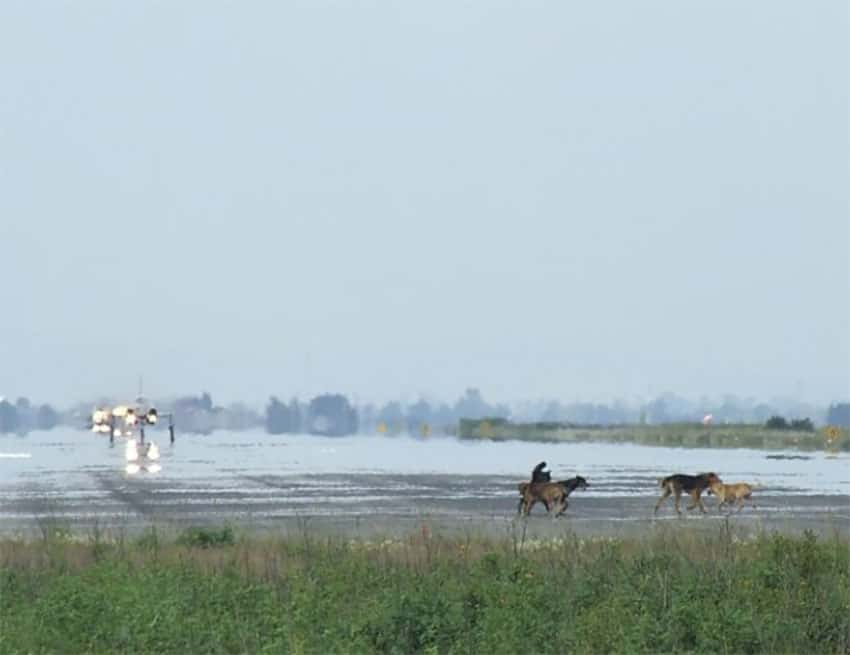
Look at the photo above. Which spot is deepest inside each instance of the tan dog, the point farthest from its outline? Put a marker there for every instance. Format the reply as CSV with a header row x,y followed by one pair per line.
x,y
727,494
553,495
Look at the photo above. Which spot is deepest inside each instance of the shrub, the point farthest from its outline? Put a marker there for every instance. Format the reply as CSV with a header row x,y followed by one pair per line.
x,y
671,593
803,424
207,537
776,423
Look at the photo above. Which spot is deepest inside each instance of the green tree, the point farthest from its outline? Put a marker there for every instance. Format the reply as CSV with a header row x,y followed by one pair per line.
x,y
804,424
46,418
776,423
279,417
839,415
331,415
8,417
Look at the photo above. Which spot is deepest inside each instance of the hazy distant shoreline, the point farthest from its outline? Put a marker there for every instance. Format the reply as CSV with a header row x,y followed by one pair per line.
x,y
688,435
668,419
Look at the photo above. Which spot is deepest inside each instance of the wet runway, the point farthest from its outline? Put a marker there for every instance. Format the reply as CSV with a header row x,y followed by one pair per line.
x,y
367,484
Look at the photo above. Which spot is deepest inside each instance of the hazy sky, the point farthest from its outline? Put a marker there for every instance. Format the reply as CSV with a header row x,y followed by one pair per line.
x,y
560,199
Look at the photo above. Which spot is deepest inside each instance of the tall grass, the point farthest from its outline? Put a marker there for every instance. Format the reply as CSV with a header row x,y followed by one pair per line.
x,y
675,591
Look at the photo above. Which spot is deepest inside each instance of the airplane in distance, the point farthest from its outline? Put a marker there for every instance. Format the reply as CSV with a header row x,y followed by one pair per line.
x,y
129,421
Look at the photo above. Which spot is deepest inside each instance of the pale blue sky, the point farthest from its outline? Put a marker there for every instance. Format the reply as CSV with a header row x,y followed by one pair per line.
x,y
570,200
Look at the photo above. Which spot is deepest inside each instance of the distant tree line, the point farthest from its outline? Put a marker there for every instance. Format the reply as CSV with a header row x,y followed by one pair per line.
x,y
670,408
781,423
334,414
839,415
423,416
200,415
22,416
329,414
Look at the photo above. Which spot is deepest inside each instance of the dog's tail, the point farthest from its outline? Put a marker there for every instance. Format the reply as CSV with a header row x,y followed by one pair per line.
x,y
662,482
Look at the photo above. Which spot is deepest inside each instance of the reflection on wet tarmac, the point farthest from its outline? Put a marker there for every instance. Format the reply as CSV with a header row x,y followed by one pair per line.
x,y
254,478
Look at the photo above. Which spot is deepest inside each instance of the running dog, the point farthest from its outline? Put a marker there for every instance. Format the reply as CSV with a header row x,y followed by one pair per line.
x,y
538,475
729,494
551,494
693,485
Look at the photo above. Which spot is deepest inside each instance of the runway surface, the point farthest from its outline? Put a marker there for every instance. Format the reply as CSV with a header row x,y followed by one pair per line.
x,y
391,485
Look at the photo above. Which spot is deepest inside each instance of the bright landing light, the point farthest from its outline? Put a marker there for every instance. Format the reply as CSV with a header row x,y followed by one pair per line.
x,y
131,452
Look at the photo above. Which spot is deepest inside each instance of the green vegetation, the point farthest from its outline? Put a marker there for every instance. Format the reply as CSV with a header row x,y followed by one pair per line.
x,y
676,591
205,537
689,435
781,423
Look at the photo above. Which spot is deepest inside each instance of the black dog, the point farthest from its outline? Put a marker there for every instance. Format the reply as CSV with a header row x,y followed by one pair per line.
x,y
539,475
693,485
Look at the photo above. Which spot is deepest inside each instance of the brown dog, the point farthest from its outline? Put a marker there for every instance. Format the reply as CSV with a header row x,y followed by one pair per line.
x,y
728,494
693,485
551,494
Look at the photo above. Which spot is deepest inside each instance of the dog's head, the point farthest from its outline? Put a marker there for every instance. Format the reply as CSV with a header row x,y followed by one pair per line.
x,y
710,479
581,483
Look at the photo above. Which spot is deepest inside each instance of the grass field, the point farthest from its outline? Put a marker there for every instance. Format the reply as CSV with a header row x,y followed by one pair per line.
x,y
211,590
689,435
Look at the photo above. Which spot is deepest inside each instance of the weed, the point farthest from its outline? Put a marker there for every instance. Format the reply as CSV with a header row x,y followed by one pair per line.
x,y
202,537
204,592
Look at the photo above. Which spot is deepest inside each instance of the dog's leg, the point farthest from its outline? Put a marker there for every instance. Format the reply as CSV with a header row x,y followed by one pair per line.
x,y
696,501
677,498
664,496
563,507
